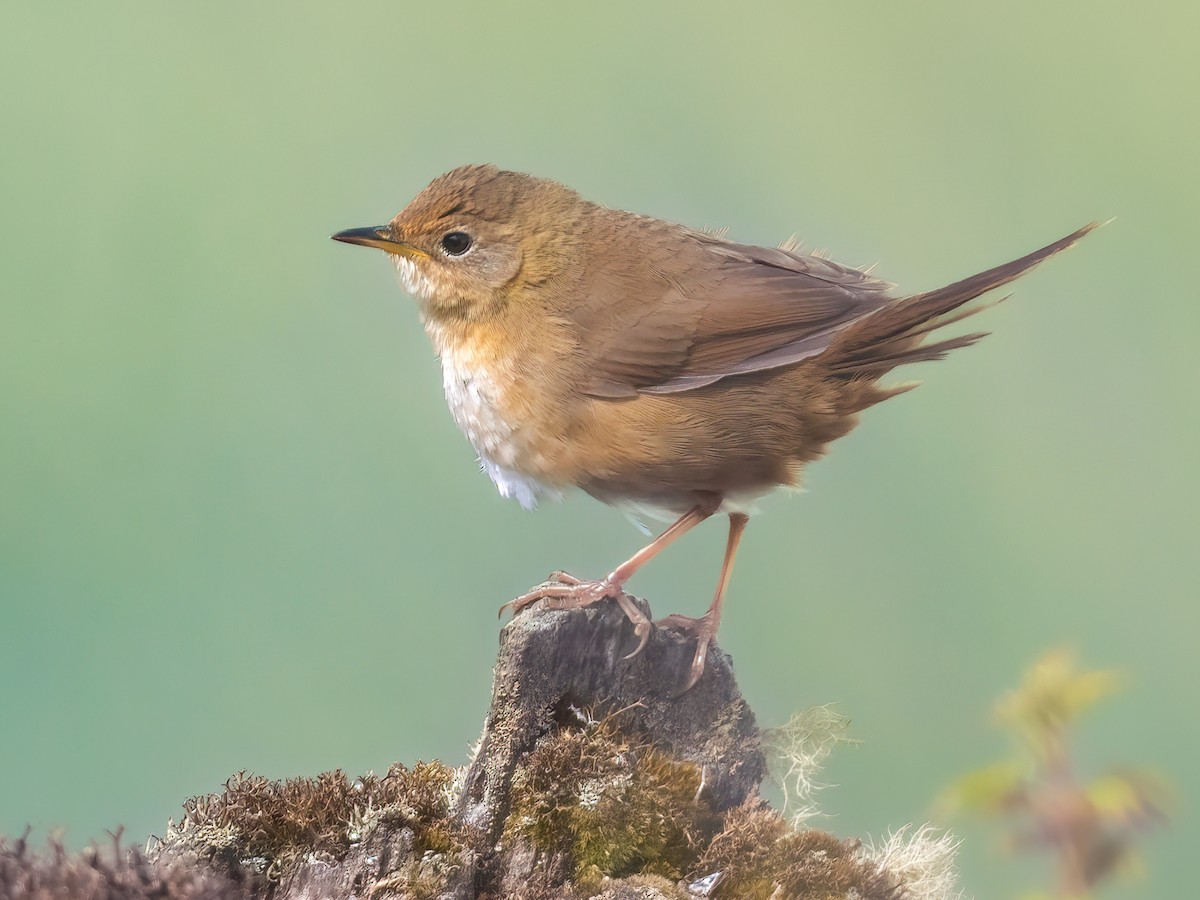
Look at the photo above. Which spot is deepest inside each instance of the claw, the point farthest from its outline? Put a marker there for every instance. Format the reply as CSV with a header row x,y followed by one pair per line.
x,y
642,625
697,667
642,631
518,604
704,631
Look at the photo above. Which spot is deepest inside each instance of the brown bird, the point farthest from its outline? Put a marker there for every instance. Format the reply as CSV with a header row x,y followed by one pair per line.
x,y
669,371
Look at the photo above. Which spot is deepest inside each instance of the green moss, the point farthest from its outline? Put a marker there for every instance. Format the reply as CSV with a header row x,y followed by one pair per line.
x,y
614,805
761,856
617,806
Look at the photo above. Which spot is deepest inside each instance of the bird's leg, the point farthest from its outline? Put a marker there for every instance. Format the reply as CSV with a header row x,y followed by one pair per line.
x,y
705,627
563,591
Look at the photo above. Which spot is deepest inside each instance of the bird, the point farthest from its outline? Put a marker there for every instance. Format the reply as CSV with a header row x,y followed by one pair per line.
x,y
668,371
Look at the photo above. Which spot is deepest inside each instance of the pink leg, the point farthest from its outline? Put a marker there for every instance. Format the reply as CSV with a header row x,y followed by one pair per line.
x,y
564,591
705,627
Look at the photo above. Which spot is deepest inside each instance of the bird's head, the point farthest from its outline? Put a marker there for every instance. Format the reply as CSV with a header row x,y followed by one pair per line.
x,y
478,238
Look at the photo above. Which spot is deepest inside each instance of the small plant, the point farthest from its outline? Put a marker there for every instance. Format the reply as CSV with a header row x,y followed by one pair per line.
x,y
1089,826
276,822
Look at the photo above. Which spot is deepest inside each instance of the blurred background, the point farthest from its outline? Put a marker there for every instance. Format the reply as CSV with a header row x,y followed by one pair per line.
x,y
238,529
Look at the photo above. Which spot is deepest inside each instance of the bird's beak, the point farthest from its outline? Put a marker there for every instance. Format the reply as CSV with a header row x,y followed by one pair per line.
x,y
379,237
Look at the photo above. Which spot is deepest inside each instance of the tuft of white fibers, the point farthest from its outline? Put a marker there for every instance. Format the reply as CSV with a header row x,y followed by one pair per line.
x,y
923,858
797,752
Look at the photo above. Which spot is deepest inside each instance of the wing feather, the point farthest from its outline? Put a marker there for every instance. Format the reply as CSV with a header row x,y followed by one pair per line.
x,y
737,309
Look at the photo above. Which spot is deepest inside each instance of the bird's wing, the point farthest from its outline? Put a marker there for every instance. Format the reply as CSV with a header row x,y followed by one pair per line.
x,y
717,309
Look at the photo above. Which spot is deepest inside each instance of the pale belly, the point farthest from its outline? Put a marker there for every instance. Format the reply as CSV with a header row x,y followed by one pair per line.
x,y
505,453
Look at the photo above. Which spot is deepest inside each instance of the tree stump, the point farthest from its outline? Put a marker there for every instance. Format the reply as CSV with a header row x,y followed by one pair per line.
x,y
593,777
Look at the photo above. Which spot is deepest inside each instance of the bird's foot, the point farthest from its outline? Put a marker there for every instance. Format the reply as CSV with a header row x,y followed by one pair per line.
x,y
564,591
704,629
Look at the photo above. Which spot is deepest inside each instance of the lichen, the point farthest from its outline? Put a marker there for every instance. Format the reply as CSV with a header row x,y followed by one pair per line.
x,y
923,858
796,754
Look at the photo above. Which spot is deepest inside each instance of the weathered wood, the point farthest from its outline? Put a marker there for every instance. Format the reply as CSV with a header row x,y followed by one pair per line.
x,y
554,665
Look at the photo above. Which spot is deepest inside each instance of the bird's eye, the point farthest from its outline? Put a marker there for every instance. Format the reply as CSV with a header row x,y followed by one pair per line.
x,y
456,243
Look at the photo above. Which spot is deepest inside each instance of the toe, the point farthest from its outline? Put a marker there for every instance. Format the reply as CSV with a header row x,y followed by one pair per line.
x,y
675,620
512,606
549,591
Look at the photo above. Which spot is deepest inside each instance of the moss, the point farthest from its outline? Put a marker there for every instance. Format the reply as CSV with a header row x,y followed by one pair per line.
x,y
636,887
416,880
123,874
615,805
618,806
598,813
644,886
418,798
277,821
761,856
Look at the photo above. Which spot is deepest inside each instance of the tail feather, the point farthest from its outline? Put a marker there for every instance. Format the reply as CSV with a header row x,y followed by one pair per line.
x,y
892,336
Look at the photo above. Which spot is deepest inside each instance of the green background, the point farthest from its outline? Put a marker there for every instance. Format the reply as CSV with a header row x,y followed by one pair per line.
x,y
239,530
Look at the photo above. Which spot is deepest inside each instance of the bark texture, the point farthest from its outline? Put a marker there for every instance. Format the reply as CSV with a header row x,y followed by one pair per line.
x,y
556,668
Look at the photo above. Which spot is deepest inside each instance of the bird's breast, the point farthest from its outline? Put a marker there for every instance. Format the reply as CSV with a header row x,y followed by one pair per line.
x,y
481,388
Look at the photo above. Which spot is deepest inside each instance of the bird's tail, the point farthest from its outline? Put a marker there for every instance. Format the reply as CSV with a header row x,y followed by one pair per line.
x,y
895,334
